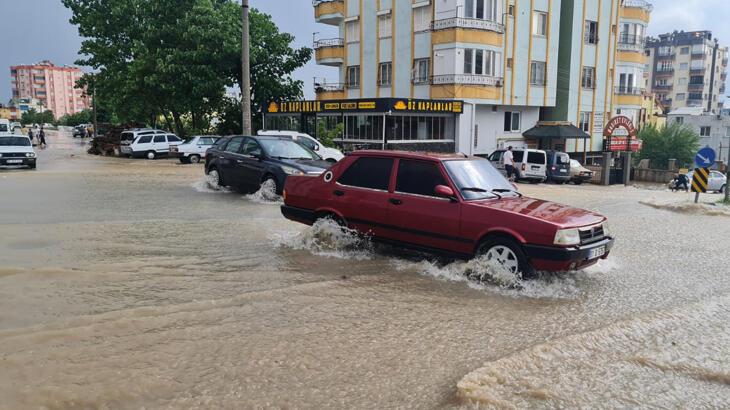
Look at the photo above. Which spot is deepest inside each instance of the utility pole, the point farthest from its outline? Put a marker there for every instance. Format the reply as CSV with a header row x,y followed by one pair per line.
x,y
96,124
245,72
727,173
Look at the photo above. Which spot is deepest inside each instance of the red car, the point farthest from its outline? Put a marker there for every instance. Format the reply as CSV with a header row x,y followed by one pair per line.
x,y
449,203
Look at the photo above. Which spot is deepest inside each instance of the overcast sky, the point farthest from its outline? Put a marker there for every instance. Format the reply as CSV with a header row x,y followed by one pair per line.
x,y
34,30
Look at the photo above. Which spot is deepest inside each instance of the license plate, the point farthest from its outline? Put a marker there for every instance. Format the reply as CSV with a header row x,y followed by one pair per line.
x,y
14,161
535,168
563,170
597,252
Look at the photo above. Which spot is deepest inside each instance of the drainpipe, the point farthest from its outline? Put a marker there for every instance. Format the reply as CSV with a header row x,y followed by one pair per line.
x,y
712,77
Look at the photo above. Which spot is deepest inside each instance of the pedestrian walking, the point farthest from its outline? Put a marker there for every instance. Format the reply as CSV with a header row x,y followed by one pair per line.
x,y
509,163
42,138
30,135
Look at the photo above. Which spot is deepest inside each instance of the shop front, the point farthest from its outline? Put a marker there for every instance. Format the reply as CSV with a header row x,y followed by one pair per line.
x,y
379,123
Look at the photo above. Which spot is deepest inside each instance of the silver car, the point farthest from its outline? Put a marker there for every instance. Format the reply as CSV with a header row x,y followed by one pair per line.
x,y
716,182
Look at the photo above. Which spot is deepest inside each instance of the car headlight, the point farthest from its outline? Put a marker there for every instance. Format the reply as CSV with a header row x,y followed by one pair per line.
x,y
30,154
567,237
606,230
291,171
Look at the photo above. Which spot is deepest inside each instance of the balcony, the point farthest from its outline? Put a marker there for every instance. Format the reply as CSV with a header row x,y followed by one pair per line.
x,y
467,79
329,11
467,23
723,76
722,90
330,51
640,4
695,102
329,91
665,71
696,87
697,70
724,61
663,87
631,42
623,90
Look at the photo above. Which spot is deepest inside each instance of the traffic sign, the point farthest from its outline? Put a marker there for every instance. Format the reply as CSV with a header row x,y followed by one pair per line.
x,y
705,157
699,180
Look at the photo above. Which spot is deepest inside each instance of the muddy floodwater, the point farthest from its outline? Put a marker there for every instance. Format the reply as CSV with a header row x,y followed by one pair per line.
x,y
132,284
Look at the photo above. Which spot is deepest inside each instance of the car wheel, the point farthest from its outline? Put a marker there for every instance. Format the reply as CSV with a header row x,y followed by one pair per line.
x,y
214,178
507,253
194,158
151,155
722,189
183,160
270,184
31,166
577,182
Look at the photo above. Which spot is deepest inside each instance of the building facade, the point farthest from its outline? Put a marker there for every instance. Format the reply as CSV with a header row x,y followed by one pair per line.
x,y
53,86
688,69
713,129
513,63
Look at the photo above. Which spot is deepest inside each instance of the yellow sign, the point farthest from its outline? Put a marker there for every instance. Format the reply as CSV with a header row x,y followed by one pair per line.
x,y
400,105
273,107
349,106
369,105
699,180
300,106
332,106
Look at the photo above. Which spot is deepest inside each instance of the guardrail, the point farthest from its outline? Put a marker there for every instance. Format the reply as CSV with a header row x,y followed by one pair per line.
x,y
329,87
631,42
467,79
329,42
462,22
628,90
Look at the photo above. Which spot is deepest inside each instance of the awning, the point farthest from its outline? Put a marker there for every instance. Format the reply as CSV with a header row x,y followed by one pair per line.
x,y
551,130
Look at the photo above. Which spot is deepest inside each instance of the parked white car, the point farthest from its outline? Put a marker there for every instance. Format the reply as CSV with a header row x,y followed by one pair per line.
x,y
5,126
147,143
530,164
16,151
192,150
328,154
716,182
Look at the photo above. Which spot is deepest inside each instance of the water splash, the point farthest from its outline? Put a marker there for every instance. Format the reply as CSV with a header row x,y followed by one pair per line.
x,y
327,238
206,185
266,194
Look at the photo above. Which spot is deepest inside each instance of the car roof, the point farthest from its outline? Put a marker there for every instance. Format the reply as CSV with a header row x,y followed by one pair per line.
x,y
10,134
428,156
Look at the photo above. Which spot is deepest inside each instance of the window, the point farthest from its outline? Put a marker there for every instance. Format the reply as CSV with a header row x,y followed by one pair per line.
x,y
591,32
145,139
353,76
373,173
512,121
680,96
385,26
235,145
684,66
480,62
585,121
704,131
539,23
535,157
537,73
251,147
697,80
682,81
352,31
417,177
385,74
421,19
589,77
421,68
679,120
159,138
173,138
684,50
481,9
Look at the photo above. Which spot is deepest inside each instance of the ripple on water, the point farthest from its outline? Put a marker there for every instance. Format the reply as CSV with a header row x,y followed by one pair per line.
x,y
327,238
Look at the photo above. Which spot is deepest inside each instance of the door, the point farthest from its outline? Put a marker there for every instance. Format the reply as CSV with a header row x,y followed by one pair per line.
x,y
228,161
361,195
144,143
160,145
250,166
418,215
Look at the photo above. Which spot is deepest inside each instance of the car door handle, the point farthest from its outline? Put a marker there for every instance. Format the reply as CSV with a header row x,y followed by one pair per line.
x,y
396,201
240,161
339,193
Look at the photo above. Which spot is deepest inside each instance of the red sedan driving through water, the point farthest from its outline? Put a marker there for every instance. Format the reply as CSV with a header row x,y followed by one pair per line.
x,y
452,204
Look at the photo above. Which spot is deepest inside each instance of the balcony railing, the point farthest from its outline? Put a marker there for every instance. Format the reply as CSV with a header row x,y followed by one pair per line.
x,y
620,90
698,86
664,70
663,86
462,22
642,4
631,42
420,79
328,87
467,79
697,70
329,42
316,3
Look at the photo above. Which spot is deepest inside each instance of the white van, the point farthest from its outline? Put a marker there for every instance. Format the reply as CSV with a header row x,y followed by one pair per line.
x,y
147,143
328,154
530,164
5,126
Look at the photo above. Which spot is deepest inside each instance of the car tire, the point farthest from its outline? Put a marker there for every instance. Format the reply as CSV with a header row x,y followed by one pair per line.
x,y
184,160
215,178
514,258
723,188
151,155
194,159
277,188
32,166
577,182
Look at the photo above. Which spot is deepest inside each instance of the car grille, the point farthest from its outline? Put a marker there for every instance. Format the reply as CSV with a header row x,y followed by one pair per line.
x,y
13,155
591,234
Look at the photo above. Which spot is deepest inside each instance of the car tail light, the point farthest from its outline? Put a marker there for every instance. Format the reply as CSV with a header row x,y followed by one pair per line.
x,y
524,167
553,168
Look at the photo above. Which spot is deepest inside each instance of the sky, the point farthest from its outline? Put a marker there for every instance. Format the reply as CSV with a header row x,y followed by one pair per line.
x,y
35,30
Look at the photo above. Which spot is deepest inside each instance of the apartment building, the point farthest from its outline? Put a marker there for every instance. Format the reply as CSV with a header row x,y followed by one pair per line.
x,y
688,69
507,65
713,129
53,86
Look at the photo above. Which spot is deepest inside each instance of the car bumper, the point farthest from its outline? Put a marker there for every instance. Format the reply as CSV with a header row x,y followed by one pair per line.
x,y
560,177
552,258
581,177
125,149
17,162
302,215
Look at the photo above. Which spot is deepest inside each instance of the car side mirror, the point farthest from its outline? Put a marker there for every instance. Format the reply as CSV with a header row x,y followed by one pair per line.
x,y
442,191
316,147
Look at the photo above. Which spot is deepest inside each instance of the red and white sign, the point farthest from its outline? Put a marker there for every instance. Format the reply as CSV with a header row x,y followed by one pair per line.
x,y
622,141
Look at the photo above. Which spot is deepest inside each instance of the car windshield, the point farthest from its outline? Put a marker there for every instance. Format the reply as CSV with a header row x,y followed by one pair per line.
x,y
14,142
574,163
562,159
478,179
286,149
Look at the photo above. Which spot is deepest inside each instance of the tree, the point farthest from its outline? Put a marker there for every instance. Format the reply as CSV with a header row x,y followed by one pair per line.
x,y
673,142
72,120
34,117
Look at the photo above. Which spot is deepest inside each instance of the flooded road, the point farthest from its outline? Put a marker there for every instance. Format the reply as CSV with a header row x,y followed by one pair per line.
x,y
130,283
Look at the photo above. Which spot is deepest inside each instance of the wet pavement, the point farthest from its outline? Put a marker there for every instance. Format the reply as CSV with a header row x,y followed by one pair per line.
x,y
131,283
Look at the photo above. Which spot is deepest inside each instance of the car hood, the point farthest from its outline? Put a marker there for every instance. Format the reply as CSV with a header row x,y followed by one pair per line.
x,y
15,148
306,165
564,216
